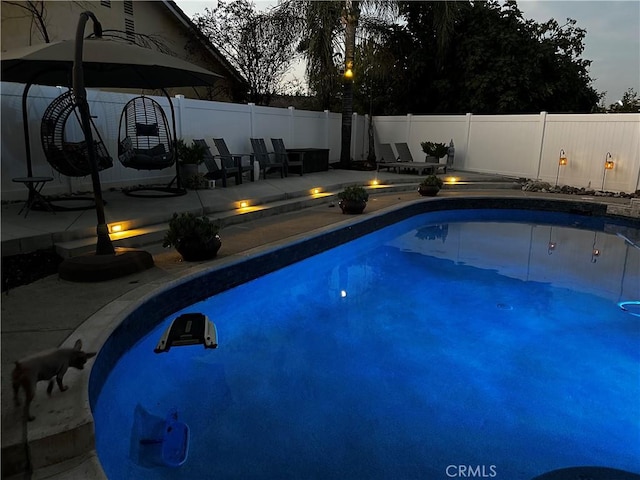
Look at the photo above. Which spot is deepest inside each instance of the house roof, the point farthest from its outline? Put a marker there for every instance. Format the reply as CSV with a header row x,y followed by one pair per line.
x,y
208,46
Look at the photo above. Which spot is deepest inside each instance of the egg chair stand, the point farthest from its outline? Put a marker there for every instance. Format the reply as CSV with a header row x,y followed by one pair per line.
x,y
66,157
145,142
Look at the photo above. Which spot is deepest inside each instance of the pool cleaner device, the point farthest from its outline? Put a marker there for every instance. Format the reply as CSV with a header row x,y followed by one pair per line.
x,y
172,447
631,307
189,329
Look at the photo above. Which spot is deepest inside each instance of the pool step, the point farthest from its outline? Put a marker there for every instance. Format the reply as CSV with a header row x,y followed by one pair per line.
x,y
136,238
153,233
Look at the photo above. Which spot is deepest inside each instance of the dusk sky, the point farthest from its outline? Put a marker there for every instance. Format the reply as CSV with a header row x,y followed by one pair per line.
x,y
612,42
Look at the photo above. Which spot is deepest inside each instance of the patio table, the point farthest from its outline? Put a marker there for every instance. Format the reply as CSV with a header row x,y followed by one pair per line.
x,y
34,185
313,159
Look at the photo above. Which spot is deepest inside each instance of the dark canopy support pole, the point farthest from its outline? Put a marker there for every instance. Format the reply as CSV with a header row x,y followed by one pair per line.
x,y
174,144
106,264
104,245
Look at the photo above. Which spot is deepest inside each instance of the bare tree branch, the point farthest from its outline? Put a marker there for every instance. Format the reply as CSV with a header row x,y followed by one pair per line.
x,y
38,16
261,46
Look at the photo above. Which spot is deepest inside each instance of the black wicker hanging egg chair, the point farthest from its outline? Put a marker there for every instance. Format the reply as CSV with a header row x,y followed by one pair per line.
x,y
69,158
145,143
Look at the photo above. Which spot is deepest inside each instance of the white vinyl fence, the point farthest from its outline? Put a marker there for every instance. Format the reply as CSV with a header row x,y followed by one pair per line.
x,y
514,145
529,145
236,123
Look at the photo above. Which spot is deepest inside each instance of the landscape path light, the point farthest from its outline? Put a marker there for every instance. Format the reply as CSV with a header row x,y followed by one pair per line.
x,y
608,165
562,162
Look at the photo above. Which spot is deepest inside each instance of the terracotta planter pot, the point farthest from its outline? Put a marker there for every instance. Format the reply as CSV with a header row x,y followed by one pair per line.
x,y
429,190
195,250
352,206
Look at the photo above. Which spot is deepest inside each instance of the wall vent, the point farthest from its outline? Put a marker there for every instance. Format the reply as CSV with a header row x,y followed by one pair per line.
x,y
129,29
128,7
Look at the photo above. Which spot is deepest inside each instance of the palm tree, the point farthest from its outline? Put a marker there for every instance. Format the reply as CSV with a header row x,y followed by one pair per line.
x,y
329,44
328,22
350,17
321,46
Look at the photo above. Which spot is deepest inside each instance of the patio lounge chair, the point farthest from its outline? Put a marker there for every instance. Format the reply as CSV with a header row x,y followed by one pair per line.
x,y
283,156
234,158
264,158
407,158
225,170
388,160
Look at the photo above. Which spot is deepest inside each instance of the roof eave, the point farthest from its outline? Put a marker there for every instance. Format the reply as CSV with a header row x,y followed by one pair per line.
x,y
186,21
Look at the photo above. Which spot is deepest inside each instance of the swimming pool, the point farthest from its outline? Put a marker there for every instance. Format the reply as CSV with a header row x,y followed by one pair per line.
x,y
441,341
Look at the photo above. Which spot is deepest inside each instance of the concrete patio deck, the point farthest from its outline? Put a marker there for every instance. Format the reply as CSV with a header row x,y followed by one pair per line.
x,y
73,232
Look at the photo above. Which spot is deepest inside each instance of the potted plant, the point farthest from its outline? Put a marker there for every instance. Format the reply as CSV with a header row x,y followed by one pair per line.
x,y
196,182
434,150
430,186
189,157
353,199
195,238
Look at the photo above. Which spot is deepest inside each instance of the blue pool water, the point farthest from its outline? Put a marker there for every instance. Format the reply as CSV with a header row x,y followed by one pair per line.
x,y
436,343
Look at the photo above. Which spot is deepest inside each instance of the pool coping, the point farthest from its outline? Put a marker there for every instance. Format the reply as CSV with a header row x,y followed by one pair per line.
x,y
70,434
